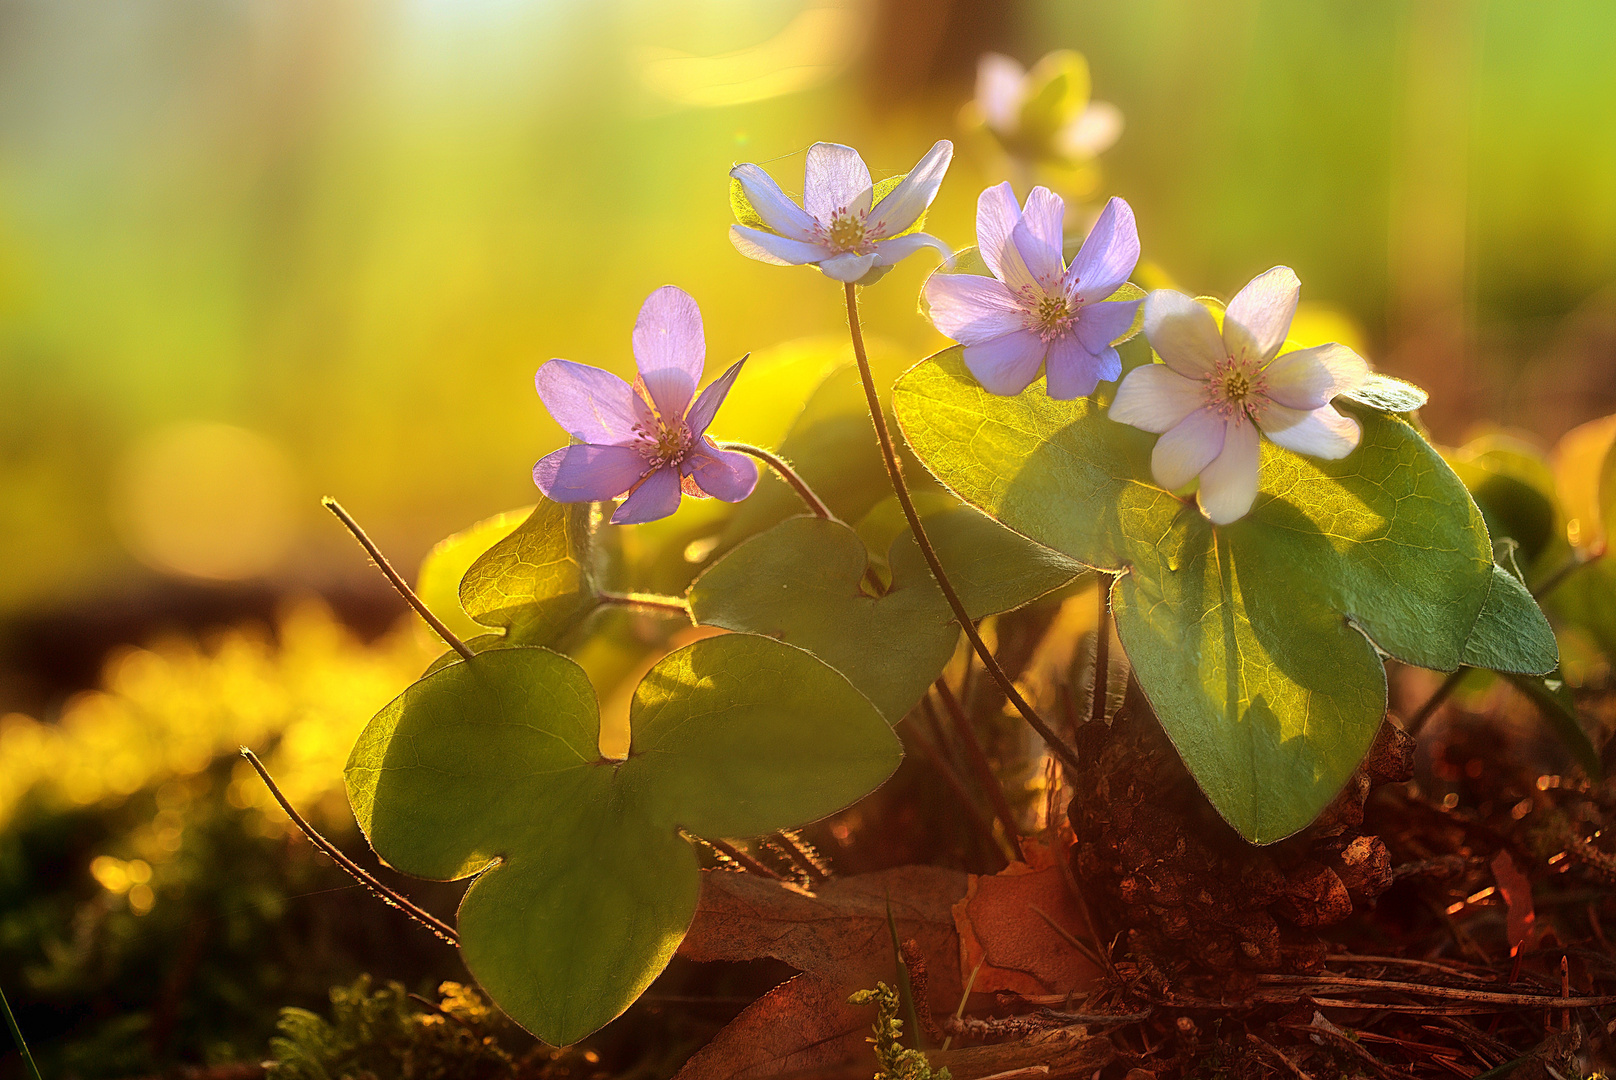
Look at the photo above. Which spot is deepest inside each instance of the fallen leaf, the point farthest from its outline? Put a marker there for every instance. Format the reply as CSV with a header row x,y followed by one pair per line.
x,y
1516,890
839,939
1004,924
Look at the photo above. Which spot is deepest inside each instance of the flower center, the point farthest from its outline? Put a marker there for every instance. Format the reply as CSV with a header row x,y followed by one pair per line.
x,y
1236,388
846,233
663,445
1046,313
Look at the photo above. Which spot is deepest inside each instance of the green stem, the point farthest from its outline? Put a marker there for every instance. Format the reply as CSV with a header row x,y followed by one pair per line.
x,y
397,581
442,929
670,604
889,457
1102,651
786,473
16,1035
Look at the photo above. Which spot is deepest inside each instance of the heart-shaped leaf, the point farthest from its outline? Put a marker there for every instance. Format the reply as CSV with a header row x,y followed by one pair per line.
x,y
536,582
584,887
804,582
437,583
1255,642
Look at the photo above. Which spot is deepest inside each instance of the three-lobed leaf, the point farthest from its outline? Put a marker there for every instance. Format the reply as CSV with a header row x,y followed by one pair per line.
x,y
584,887
1255,642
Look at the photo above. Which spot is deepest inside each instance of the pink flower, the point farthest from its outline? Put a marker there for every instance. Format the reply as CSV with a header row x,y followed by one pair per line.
x,y
1035,311
1069,128
1216,393
648,440
836,228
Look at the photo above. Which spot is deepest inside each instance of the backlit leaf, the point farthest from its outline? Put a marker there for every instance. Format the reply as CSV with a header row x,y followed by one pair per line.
x,y
1253,640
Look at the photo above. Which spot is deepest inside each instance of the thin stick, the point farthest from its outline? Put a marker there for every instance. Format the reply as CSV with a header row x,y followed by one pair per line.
x,y
983,827
889,457
978,759
398,582
1449,993
969,983
741,858
1102,650
442,929
16,1035
786,473
670,604
1295,1069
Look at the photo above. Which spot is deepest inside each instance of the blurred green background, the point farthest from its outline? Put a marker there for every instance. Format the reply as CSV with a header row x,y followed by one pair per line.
x,y
351,230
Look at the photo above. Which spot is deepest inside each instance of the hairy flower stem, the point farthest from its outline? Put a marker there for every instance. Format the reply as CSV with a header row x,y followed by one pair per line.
x,y
1102,650
786,473
388,896
1544,588
16,1035
398,582
670,604
895,474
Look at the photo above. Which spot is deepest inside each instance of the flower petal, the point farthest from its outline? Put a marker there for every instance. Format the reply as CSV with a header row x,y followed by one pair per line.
x,y
670,349
1259,316
999,91
1108,255
1188,447
1308,378
656,498
702,412
905,203
584,472
1072,371
1155,397
1229,484
997,214
836,179
1038,237
591,405
773,206
848,267
1092,133
775,250
722,474
1098,325
972,309
889,252
1008,364
1183,333
1322,433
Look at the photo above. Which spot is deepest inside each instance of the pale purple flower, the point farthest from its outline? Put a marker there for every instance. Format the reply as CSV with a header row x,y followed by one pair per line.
x,y
836,228
648,440
1035,310
1003,87
1217,393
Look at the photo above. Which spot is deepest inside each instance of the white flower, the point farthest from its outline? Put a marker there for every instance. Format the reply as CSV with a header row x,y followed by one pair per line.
x,y
836,228
1216,393
1063,125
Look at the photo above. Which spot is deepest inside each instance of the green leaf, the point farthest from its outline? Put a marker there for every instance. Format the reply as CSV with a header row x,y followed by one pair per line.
x,y
438,581
832,446
1059,92
1389,394
583,887
803,582
536,583
1253,640
1555,701
1510,633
